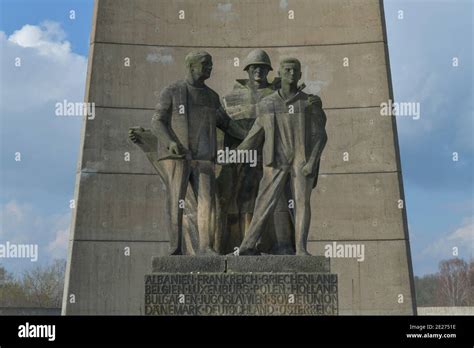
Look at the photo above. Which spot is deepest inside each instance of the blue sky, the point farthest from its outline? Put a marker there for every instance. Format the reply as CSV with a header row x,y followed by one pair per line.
x,y
439,191
35,192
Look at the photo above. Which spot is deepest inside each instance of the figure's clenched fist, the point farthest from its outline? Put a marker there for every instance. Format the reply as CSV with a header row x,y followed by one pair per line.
x,y
134,134
174,148
307,170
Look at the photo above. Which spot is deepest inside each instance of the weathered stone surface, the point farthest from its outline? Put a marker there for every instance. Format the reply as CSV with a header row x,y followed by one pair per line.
x,y
358,142
238,23
345,207
277,263
359,132
188,264
106,145
241,294
356,206
117,207
372,286
361,84
104,280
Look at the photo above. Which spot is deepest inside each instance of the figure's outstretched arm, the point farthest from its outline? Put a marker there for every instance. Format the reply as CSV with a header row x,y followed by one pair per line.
x,y
254,138
229,126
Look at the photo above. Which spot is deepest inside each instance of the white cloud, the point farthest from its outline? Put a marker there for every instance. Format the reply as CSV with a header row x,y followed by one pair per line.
x,y
462,238
36,191
49,73
464,234
48,39
21,223
14,217
49,70
14,212
59,245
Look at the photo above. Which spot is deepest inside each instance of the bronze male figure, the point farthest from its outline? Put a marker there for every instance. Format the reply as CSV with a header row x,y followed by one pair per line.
x,y
184,123
291,126
238,199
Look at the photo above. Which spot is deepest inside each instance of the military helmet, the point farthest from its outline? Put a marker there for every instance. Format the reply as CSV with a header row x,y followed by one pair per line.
x,y
257,56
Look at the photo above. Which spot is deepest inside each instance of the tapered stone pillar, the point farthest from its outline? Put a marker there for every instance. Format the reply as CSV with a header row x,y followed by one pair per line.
x,y
138,47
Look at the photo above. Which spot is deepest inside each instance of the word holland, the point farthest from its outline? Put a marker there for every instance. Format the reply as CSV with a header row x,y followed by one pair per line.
x,y
400,109
37,331
24,251
345,251
237,156
66,108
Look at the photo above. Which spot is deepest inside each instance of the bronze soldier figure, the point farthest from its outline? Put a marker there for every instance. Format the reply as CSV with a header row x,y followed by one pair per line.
x,y
291,126
238,199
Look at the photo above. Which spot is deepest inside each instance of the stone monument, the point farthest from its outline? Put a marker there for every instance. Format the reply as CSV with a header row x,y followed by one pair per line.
x,y
137,205
288,127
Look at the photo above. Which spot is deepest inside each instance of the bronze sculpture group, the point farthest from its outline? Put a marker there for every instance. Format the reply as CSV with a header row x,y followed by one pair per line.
x,y
246,210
